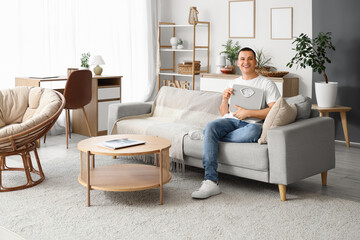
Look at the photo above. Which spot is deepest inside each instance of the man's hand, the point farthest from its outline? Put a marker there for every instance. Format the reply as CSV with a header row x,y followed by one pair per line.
x,y
227,94
241,113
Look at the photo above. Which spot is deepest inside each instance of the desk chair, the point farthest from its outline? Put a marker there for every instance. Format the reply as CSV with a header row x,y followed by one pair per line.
x,y
77,94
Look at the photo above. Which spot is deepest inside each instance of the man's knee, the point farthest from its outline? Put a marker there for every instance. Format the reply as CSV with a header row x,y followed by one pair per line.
x,y
255,129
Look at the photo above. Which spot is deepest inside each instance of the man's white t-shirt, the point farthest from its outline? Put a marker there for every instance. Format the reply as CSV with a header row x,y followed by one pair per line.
x,y
271,92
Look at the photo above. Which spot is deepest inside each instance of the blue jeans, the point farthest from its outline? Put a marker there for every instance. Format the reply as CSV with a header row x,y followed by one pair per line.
x,y
225,130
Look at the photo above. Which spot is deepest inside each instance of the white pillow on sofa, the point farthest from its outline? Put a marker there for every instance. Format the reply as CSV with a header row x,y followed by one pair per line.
x,y
279,115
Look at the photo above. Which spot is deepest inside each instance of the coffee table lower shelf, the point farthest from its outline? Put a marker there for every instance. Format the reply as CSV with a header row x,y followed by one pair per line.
x,y
125,177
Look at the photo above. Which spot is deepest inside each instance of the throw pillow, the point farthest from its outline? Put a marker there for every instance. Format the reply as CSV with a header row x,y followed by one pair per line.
x,y
280,114
303,106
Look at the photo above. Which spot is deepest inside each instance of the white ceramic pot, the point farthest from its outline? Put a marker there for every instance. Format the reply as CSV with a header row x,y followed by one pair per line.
x,y
83,68
326,94
173,42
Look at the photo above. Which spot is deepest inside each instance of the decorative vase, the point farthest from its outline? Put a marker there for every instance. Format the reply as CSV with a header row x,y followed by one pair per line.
x,y
180,47
326,94
173,42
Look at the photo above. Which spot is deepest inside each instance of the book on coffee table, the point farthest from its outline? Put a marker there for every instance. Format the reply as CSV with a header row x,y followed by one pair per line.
x,y
120,143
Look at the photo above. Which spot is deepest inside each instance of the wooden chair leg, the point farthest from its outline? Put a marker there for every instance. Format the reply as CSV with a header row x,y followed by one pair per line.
x,y
324,178
66,128
44,138
87,122
282,190
68,119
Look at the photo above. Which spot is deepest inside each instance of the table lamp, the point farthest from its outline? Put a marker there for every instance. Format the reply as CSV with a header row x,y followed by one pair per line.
x,y
97,60
220,62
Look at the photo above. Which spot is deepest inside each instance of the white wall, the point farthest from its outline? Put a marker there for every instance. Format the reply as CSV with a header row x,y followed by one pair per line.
x,y
216,11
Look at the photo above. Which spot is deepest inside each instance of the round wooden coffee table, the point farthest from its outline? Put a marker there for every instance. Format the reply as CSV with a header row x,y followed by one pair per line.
x,y
124,177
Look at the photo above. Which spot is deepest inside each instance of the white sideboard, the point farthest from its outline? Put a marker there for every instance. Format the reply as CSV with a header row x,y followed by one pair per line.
x,y
288,87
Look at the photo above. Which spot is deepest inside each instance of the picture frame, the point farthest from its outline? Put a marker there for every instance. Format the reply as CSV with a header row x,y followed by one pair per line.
x,y
242,19
281,23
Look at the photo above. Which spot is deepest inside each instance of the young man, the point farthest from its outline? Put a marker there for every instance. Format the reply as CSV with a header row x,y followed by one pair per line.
x,y
232,127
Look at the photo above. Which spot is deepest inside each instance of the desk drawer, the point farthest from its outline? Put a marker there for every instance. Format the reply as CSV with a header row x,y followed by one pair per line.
x,y
108,93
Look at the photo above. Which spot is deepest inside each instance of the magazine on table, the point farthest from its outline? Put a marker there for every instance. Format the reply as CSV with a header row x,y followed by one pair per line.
x,y
120,143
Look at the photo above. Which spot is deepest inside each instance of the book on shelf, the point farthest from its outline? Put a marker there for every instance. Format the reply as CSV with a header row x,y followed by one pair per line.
x,y
120,143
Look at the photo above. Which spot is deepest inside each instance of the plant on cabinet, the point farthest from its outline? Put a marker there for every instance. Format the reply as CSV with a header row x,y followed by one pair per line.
x,y
231,51
312,53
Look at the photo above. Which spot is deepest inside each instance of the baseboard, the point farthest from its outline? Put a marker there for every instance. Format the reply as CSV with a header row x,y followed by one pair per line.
x,y
351,143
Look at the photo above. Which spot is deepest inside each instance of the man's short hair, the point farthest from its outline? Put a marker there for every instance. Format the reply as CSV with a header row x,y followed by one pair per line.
x,y
247,49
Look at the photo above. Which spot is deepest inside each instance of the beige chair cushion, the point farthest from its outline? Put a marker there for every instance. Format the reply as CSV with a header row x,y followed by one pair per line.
x,y
13,104
35,105
280,114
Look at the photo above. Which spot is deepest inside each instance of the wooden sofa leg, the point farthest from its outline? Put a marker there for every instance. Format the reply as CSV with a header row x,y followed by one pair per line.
x,y
282,190
324,178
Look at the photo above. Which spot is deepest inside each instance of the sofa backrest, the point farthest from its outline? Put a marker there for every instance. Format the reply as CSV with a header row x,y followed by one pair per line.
x,y
194,107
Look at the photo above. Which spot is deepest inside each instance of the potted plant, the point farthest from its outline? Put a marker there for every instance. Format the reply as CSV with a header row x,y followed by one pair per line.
x,y
85,61
263,62
232,51
312,53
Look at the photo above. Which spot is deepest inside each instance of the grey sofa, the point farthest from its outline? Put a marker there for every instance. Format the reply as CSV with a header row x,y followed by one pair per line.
x,y
293,152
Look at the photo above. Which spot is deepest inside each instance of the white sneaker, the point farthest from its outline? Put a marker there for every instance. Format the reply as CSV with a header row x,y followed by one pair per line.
x,y
208,188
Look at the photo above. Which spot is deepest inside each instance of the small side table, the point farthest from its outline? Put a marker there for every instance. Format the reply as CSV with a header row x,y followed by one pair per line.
x,y
340,109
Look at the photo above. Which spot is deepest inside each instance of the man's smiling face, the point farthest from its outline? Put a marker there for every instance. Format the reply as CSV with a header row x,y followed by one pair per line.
x,y
247,62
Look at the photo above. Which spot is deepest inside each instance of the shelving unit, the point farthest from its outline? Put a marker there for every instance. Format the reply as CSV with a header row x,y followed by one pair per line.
x,y
167,48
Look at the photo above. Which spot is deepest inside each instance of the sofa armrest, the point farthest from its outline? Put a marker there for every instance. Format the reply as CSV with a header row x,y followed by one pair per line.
x,y
120,110
301,149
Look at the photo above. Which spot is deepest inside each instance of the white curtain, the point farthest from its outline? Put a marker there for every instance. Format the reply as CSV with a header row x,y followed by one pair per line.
x,y
45,37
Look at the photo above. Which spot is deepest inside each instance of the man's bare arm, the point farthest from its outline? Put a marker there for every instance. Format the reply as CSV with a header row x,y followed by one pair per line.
x,y
224,106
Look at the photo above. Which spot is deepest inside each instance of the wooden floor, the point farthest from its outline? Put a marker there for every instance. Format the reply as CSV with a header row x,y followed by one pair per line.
x,y
343,181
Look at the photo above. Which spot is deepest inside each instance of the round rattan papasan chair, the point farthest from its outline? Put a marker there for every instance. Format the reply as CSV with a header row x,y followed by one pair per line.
x,y
26,114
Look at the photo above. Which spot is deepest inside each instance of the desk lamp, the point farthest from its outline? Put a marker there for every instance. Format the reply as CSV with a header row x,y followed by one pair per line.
x,y
97,60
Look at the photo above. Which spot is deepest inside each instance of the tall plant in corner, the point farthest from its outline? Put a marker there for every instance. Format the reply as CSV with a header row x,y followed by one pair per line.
x,y
312,53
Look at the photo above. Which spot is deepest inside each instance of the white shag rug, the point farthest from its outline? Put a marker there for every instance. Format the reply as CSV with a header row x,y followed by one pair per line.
x,y
246,209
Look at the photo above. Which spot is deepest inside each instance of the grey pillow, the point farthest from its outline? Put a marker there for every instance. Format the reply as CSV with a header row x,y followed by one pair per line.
x,y
303,106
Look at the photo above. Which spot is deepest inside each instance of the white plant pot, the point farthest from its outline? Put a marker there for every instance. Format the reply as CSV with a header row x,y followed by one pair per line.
x,y
83,68
326,94
173,42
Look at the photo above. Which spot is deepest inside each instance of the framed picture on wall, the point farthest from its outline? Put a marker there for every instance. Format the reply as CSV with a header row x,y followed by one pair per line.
x,y
242,19
281,23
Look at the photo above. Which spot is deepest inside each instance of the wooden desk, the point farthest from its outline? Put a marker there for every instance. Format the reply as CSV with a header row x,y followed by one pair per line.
x,y
105,90
342,110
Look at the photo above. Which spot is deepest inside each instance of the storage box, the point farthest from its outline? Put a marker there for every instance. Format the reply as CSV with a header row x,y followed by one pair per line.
x,y
186,67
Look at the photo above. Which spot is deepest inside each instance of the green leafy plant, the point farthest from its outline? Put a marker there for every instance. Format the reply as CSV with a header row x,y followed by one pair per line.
x,y
231,50
180,41
85,60
262,60
312,52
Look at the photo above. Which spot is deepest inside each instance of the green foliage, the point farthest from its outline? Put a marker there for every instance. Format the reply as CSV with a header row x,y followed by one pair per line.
x,y
232,51
85,60
312,52
180,41
262,60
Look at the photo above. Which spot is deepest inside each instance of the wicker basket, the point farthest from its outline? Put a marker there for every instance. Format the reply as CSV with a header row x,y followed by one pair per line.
x,y
273,74
186,68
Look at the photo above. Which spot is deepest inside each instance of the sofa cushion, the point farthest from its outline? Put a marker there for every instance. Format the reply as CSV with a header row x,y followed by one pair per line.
x,y
245,155
303,106
280,114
